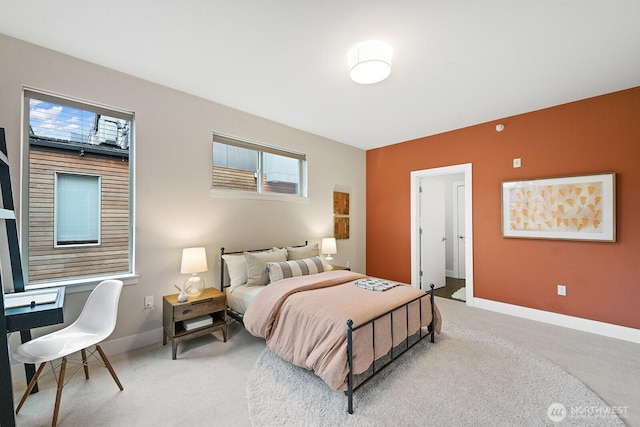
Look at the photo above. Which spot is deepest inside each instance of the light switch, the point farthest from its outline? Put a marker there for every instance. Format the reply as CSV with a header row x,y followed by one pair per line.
x,y
517,163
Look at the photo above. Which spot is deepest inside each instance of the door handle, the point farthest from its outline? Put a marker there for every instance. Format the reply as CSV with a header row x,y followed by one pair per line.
x,y
444,238
461,237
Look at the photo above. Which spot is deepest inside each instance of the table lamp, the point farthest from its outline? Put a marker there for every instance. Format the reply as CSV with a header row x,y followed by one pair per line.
x,y
329,248
194,261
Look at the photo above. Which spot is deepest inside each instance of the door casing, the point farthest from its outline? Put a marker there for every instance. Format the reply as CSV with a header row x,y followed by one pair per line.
x,y
466,169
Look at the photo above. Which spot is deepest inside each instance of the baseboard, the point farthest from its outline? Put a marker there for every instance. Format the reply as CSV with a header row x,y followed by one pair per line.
x,y
117,346
131,342
592,326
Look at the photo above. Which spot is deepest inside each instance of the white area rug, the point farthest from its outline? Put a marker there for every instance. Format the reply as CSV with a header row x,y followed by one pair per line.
x,y
460,294
467,378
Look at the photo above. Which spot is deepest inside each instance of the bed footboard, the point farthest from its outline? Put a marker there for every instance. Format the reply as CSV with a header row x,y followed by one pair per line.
x,y
394,353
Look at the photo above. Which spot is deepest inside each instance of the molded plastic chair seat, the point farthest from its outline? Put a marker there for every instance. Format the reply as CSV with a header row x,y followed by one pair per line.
x,y
56,345
95,323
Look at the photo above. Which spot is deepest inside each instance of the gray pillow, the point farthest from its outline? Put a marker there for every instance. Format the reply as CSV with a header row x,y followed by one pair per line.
x,y
257,265
299,267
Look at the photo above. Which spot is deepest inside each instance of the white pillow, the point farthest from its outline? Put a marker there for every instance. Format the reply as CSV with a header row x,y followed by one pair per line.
x,y
302,252
299,267
237,269
257,263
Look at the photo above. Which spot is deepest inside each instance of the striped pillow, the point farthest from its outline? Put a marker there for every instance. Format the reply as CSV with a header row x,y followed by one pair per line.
x,y
299,267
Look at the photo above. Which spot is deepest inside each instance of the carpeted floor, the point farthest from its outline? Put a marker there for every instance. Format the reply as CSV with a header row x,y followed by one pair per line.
x,y
206,385
467,377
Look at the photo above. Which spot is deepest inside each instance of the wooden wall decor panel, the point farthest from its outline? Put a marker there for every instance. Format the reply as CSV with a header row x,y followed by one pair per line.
x,y
340,203
341,227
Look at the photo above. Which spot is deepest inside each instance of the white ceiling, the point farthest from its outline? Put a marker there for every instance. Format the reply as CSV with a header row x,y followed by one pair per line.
x,y
456,63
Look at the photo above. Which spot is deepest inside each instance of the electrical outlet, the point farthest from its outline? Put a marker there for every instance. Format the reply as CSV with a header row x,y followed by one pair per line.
x,y
562,290
148,302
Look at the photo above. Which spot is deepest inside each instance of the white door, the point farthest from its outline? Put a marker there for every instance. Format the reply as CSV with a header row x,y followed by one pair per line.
x,y
432,233
460,234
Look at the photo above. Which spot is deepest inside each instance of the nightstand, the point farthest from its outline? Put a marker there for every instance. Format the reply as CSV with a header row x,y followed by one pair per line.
x,y
211,302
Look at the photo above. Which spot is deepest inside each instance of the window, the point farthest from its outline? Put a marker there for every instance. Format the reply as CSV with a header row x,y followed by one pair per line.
x,y
77,209
248,166
79,224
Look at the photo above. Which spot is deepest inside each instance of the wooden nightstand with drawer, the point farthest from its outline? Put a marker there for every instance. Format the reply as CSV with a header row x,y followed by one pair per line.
x,y
185,320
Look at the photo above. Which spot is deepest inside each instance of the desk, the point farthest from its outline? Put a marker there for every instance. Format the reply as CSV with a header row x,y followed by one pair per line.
x,y
25,318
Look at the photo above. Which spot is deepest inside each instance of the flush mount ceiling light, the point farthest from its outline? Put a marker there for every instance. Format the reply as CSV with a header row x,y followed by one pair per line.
x,y
370,62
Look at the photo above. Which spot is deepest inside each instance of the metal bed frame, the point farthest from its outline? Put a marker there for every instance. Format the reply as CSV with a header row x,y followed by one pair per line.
x,y
354,382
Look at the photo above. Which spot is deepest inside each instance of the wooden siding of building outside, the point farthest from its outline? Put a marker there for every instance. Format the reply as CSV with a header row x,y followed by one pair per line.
x,y
236,179
112,255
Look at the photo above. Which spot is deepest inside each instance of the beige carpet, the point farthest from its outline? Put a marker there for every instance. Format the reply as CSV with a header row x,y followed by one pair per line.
x,y
203,387
467,378
206,386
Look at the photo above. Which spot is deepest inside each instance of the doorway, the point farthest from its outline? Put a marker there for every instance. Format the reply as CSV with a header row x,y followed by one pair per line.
x,y
428,240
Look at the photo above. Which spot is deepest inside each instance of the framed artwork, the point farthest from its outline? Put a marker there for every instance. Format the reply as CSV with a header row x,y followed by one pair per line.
x,y
341,227
340,203
574,208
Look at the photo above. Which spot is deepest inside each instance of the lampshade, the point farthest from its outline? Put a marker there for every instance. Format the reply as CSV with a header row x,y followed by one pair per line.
x,y
329,246
194,260
370,62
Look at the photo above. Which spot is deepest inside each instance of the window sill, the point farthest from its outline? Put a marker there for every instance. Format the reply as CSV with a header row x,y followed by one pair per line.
x,y
86,283
231,194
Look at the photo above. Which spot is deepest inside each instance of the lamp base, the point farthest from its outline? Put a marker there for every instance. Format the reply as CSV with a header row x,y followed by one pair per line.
x,y
194,286
327,260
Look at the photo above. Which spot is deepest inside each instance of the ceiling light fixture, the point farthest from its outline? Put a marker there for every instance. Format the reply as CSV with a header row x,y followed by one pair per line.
x,y
370,62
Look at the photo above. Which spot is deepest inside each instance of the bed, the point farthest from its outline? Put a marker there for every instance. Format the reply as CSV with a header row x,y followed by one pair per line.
x,y
340,324
233,273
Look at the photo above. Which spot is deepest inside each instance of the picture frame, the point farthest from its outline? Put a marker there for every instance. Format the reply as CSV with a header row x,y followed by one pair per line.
x,y
573,208
341,227
340,203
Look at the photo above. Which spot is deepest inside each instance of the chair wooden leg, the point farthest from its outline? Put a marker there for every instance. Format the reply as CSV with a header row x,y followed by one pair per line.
x,y
105,360
56,409
84,363
32,383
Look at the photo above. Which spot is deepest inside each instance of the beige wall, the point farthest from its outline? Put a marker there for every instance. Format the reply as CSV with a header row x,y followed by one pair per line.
x,y
174,207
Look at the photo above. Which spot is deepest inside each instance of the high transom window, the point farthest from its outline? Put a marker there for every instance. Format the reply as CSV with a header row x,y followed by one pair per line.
x,y
248,166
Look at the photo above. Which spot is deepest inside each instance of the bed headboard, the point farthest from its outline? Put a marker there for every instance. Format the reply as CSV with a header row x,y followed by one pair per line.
x,y
222,264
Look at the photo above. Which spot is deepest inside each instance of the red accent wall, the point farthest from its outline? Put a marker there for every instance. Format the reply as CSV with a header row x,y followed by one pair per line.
x,y
595,135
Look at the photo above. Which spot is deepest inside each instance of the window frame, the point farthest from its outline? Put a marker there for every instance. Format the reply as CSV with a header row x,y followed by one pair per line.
x,y
261,149
88,282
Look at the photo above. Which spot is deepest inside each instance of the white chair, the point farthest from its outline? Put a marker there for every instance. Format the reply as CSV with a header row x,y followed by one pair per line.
x,y
95,323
